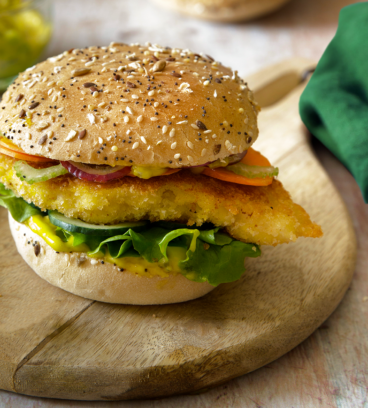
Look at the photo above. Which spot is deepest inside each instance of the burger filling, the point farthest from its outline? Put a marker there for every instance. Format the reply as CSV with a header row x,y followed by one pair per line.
x,y
248,168
193,222
202,254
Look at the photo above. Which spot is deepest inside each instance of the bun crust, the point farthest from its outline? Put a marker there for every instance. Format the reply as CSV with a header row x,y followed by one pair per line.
x,y
130,105
223,10
101,282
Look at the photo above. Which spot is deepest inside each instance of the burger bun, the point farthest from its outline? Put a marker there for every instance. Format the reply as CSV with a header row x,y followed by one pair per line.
x,y
102,282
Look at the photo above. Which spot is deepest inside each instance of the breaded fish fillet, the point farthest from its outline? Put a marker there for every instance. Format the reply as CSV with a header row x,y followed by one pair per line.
x,y
261,215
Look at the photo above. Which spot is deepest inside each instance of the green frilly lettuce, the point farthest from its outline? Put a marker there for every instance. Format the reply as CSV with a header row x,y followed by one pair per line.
x,y
211,256
18,208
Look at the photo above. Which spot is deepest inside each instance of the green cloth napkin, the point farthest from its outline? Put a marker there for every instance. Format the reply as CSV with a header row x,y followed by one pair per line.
x,y
334,105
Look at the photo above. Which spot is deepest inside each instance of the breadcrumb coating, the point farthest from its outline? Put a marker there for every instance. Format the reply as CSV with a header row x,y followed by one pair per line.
x,y
260,215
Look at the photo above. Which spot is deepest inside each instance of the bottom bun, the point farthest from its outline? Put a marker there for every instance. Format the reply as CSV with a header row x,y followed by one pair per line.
x,y
102,282
243,10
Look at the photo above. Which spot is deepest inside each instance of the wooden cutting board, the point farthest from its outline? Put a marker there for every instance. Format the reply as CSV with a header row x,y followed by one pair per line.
x,y
55,344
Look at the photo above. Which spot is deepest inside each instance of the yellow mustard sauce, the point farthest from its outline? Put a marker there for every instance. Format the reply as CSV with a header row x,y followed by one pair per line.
x,y
142,267
42,226
147,172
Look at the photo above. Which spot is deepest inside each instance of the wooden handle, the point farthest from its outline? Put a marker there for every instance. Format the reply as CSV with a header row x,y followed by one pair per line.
x,y
273,83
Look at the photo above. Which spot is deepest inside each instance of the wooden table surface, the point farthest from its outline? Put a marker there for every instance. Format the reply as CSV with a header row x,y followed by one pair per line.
x,y
330,368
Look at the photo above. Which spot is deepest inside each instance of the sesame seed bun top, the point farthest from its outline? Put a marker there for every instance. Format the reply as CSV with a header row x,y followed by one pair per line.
x,y
133,105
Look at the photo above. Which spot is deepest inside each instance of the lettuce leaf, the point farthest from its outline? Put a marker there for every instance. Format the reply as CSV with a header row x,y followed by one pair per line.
x,y
218,264
18,208
211,256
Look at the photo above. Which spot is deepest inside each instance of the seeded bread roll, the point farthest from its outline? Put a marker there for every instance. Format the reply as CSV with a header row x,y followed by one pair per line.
x,y
130,105
223,10
86,277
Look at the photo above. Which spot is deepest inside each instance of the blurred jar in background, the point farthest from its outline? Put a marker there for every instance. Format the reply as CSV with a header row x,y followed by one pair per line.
x,y
223,10
25,30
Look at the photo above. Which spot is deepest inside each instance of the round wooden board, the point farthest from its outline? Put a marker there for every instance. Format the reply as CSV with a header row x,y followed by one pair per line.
x,y
55,344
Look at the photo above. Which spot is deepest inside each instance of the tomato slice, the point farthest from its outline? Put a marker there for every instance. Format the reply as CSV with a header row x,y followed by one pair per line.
x,y
252,158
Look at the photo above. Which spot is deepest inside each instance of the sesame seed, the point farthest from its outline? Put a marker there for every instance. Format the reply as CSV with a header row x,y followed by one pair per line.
x,y
228,145
214,136
190,145
190,158
173,145
204,151
143,139
91,118
114,148
154,119
71,135
177,156
135,145
42,125
194,126
126,119
172,132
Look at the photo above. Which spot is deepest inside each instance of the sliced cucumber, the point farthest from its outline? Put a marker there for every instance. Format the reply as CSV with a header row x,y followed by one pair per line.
x,y
75,225
253,171
30,175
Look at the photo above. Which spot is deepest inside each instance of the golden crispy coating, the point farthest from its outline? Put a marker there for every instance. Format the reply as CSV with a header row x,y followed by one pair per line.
x,y
261,215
